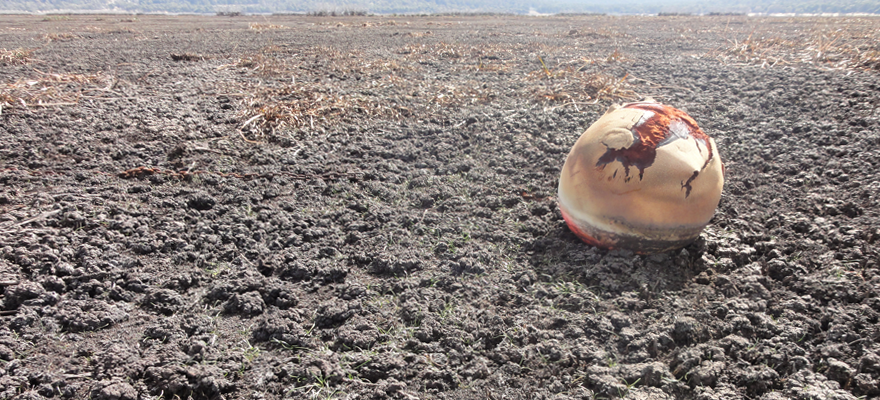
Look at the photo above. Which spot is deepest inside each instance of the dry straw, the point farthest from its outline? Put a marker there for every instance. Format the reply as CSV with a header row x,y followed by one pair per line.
x,y
52,89
851,44
17,56
254,26
59,37
582,82
310,89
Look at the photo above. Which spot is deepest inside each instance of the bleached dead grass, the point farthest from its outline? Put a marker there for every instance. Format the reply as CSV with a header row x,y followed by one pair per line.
x,y
849,44
16,56
584,81
311,89
52,89
59,37
254,26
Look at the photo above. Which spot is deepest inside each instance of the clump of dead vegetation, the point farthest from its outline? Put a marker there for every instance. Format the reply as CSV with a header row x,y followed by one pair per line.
x,y
53,89
56,18
444,50
580,82
255,26
483,58
766,52
383,23
261,64
299,106
310,95
284,91
16,57
853,44
59,37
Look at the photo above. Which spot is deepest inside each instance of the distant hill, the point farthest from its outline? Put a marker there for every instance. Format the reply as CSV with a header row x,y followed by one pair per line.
x,y
448,6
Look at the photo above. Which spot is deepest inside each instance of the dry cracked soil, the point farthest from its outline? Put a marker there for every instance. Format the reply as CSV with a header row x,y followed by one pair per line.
x,y
267,207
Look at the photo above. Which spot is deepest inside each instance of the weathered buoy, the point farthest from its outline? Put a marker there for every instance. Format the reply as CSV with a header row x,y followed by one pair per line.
x,y
644,177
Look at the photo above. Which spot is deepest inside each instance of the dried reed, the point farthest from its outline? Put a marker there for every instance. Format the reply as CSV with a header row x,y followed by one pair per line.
x,y
17,56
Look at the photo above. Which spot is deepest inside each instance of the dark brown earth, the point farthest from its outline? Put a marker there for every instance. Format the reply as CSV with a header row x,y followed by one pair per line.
x,y
303,207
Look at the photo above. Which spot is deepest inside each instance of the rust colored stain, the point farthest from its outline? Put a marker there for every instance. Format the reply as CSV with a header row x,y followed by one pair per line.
x,y
649,135
584,236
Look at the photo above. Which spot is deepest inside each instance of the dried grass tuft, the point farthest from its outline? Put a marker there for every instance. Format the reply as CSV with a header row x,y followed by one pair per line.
x,y
483,58
420,34
585,88
309,106
383,23
596,34
772,51
260,64
271,49
254,26
59,37
118,30
305,90
492,65
15,57
56,18
587,84
49,89
311,93
616,56
852,44
454,96
608,87
490,51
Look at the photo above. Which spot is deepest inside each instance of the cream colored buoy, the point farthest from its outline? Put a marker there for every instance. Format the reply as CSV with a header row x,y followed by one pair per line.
x,y
644,177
